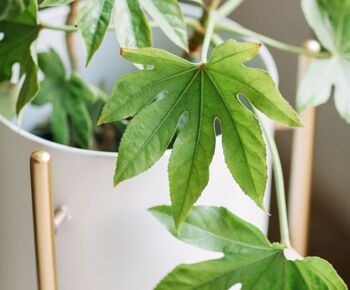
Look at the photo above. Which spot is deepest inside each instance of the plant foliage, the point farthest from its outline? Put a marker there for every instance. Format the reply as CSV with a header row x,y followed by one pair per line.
x,y
69,97
330,20
174,87
19,34
249,258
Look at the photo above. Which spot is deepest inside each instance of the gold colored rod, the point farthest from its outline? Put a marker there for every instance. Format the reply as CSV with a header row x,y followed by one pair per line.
x,y
43,214
301,166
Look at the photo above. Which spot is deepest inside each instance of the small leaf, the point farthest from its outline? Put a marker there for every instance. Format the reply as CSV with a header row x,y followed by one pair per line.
x,y
69,97
168,15
12,8
131,25
249,259
50,3
17,47
8,99
93,21
329,20
160,97
214,229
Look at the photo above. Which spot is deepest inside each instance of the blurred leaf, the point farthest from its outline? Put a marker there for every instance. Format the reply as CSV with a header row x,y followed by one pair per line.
x,y
49,3
69,97
12,8
16,47
249,258
8,99
131,25
168,15
93,21
202,93
330,21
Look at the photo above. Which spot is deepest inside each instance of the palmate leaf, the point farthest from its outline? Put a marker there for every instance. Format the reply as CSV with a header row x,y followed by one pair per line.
x,y
93,21
249,258
330,21
131,25
69,97
176,88
17,47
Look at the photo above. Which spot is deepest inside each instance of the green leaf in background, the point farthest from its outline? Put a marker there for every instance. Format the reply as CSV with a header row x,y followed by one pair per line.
x,y
8,99
200,93
69,97
249,258
19,34
168,15
131,25
49,3
330,20
12,8
93,21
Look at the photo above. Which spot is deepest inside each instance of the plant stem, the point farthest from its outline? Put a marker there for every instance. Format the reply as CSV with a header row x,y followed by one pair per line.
x,y
64,28
70,44
237,29
279,184
228,7
208,34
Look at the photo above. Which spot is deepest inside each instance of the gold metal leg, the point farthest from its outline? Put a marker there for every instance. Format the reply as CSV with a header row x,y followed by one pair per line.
x,y
301,167
43,214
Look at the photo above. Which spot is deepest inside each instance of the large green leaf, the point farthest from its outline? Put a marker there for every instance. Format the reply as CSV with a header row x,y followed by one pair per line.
x,y
131,25
199,93
69,97
93,21
17,47
168,15
249,258
12,8
330,21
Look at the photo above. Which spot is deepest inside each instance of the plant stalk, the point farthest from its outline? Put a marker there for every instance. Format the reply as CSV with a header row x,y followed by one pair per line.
x,y
279,184
64,28
208,34
237,29
70,44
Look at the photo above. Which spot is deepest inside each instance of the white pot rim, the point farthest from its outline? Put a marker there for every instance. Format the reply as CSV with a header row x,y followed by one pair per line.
x,y
264,54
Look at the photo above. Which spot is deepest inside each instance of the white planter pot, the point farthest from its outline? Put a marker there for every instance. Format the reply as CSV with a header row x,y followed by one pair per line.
x,y
111,242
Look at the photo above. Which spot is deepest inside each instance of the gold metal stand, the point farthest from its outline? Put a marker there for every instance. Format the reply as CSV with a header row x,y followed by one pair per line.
x,y
43,214
301,166
299,202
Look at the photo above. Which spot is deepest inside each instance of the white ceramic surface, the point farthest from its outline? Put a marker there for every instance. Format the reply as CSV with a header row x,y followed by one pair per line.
x,y
111,242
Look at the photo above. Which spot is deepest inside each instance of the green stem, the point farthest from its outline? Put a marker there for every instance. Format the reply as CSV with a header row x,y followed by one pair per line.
x,y
269,41
65,28
228,7
279,184
208,34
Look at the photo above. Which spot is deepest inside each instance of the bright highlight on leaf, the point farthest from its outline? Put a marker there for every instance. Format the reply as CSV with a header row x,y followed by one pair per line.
x,y
17,47
131,25
93,21
249,258
201,93
330,20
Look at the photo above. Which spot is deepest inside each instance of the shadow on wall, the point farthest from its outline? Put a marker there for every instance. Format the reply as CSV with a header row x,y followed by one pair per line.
x,y
330,227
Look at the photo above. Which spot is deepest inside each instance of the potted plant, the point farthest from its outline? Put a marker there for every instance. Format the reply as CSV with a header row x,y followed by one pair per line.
x,y
195,107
